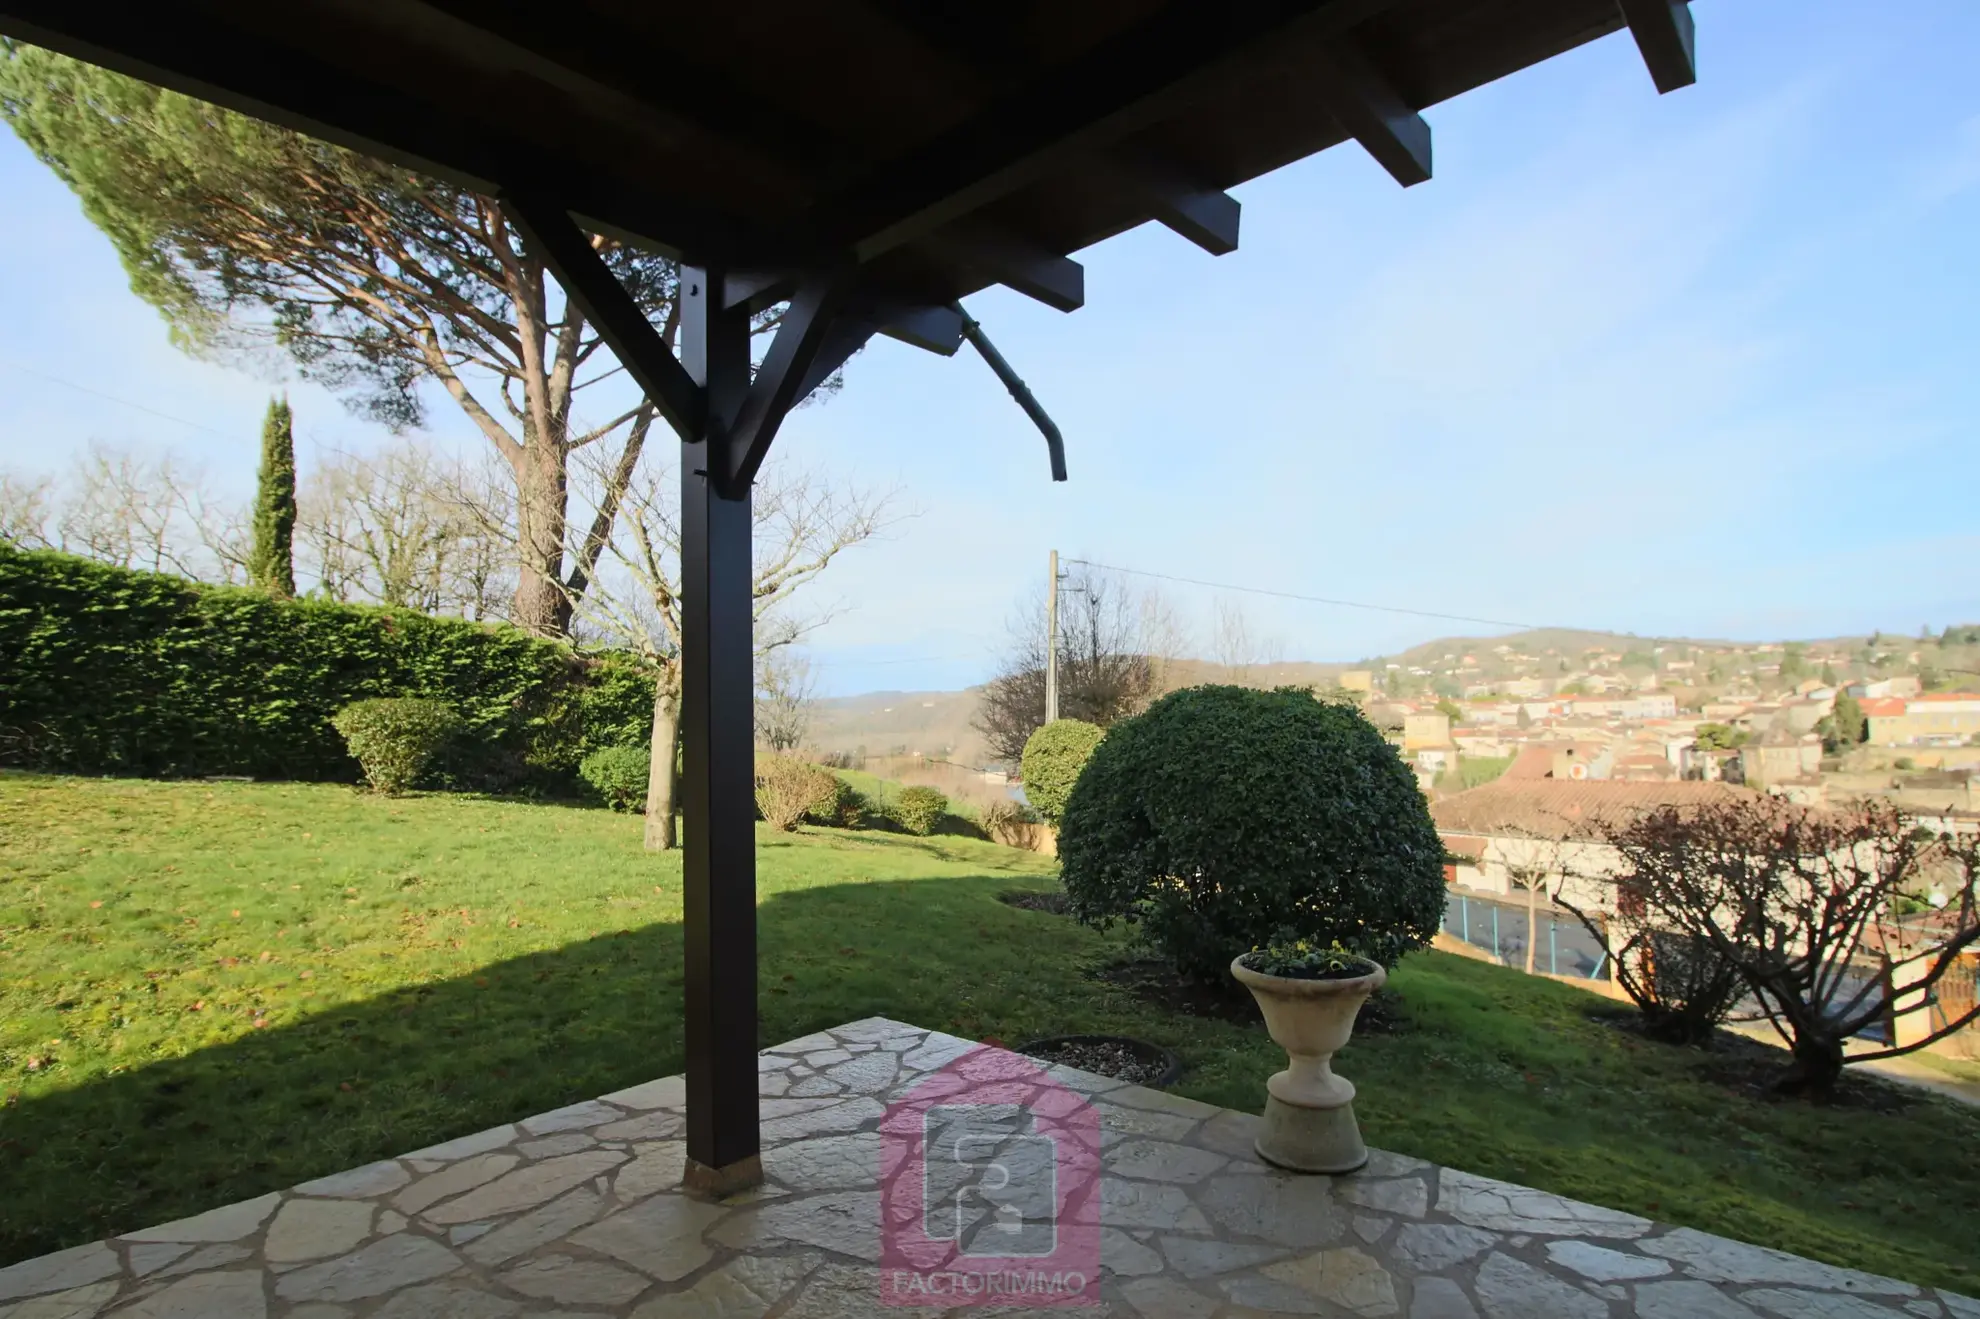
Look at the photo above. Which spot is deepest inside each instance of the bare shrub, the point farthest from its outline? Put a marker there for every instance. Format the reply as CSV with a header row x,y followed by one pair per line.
x,y
1013,824
1804,905
787,789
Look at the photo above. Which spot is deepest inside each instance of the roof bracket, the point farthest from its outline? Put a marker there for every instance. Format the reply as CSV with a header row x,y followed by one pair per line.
x,y
1373,112
804,335
549,230
1039,273
1055,444
1664,35
1205,216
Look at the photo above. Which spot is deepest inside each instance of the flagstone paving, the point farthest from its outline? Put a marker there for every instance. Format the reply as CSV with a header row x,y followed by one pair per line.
x,y
579,1212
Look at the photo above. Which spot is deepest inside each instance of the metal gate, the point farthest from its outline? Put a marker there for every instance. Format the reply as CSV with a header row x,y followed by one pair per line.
x,y
1952,997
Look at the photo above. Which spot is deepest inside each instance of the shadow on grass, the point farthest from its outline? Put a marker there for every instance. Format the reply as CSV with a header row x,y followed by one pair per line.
x,y
428,1062
1499,1074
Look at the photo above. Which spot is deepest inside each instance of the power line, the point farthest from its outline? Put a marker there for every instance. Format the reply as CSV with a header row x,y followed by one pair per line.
x,y
112,398
1320,599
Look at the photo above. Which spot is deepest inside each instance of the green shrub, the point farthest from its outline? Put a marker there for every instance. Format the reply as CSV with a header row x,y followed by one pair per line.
x,y
839,805
395,738
1225,819
1052,760
919,810
109,671
619,775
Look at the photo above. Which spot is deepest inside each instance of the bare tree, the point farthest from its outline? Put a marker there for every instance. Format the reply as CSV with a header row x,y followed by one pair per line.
x,y
159,515
1165,640
1803,904
393,529
1534,866
1236,645
26,506
785,698
1105,672
801,524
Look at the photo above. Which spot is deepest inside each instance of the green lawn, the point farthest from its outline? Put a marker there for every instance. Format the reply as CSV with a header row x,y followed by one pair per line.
x,y
211,990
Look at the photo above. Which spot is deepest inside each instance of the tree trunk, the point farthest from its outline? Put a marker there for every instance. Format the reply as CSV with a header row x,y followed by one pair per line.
x,y
541,500
1817,1066
1532,922
660,778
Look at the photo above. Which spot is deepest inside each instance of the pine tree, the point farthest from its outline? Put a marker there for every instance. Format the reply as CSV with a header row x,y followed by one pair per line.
x,y
272,563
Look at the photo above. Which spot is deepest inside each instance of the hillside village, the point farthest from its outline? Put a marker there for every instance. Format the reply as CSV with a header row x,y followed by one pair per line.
x,y
1819,721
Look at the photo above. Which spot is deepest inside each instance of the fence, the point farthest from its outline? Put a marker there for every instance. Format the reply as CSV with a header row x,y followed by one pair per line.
x,y
1565,950
1561,947
1952,999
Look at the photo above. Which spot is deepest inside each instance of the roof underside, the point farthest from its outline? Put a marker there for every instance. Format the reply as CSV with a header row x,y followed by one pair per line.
x,y
940,145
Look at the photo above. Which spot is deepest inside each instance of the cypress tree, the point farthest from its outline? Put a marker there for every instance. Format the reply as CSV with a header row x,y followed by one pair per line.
x,y
272,563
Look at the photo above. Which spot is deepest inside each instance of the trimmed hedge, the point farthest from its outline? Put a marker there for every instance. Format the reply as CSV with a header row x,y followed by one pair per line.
x,y
110,671
1052,760
918,810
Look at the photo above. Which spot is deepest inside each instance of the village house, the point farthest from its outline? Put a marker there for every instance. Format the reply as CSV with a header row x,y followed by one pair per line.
x,y
1927,719
1552,830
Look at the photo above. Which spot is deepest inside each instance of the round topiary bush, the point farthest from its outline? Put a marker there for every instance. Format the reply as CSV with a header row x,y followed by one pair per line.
x,y
1226,819
619,775
394,738
1052,760
919,809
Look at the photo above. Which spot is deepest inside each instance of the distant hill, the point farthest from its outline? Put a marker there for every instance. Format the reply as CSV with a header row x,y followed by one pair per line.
x,y
885,723
936,724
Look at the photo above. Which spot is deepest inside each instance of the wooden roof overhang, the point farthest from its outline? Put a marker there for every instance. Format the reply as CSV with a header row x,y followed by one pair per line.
x,y
939,146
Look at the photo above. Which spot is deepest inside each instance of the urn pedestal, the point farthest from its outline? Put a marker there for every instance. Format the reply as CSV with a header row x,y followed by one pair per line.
x,y
1309,1111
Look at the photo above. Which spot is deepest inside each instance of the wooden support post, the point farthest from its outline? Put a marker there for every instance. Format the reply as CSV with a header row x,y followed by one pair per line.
x,y
718,751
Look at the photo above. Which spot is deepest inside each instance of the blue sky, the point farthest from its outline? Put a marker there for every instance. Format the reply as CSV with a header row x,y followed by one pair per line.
x,y
1696,364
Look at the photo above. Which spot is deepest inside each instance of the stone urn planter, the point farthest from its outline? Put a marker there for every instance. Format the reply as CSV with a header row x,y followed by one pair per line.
x,y
1309,1111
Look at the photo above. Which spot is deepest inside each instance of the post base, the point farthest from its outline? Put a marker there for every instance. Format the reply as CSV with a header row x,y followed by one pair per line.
x,y
706,1183
1321,1140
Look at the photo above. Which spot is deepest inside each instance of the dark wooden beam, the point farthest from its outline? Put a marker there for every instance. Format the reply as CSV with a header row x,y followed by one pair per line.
x,y
1121,85
441,136
931,329
1205,216
780,381
1020,264
847,336
758,290
743,121
967,33
1664,33
566,249
1373,113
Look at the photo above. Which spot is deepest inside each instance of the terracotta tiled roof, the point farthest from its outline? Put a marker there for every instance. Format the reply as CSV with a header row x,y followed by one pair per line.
x,y
1884,705
1568,808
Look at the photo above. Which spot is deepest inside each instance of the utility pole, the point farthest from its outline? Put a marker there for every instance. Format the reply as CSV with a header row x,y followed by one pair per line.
x,y
1052,642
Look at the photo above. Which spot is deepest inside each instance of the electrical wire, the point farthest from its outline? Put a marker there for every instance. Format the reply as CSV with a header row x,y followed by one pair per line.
x,y
1321,599
112,398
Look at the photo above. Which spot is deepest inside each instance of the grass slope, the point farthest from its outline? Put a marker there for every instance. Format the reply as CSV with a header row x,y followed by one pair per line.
x,y
211,990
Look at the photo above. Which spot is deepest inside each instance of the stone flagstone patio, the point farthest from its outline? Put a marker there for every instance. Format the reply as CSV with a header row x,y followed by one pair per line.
x,y
579,1212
